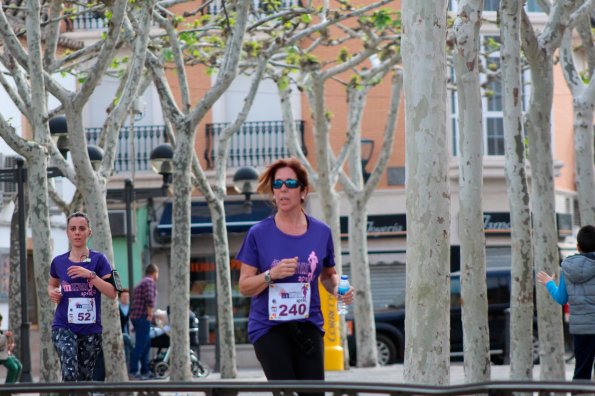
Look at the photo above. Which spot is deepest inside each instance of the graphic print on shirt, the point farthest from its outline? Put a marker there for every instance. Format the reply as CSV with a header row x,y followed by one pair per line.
x,y
313,260
81,310
84,288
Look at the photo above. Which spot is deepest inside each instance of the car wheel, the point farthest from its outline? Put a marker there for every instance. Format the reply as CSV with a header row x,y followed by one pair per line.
x,y
387,350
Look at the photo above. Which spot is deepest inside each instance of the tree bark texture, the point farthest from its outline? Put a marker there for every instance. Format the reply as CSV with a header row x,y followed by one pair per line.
x,y
225,323
427,324
521,299
538,127
14,292
39,215
583,102
367,356
474,304
180,253
583,146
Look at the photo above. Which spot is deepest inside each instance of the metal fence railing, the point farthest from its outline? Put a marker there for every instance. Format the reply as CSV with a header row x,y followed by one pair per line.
x,y
215,7
257,143
133,149
233,387
88,20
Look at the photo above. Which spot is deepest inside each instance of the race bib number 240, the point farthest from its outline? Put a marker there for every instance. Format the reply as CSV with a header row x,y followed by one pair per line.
x,y
289,301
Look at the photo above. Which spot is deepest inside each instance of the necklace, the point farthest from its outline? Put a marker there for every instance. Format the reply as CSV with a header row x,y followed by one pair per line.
x,y
83,258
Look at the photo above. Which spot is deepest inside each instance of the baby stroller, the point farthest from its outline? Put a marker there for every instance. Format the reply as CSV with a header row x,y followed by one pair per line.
x,y
160,363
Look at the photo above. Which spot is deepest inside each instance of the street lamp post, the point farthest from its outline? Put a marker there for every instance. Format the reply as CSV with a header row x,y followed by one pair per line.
x,y
128,195
19,176
25,324
245,181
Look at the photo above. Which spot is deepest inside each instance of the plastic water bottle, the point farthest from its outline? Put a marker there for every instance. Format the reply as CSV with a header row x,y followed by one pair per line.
x,y
344,286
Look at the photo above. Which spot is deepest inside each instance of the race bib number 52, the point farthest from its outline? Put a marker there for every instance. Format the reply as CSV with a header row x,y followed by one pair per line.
x,y
289,301
81,310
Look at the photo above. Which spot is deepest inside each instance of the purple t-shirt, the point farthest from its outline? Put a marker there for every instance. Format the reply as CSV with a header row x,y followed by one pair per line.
x,y
78,288
265,245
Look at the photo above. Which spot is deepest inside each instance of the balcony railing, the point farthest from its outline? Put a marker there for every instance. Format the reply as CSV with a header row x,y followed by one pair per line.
x,y
92,20
87,20
256,143
216,7
144,138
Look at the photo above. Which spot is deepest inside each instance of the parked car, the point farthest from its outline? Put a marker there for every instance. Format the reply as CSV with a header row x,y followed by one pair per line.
x,y
390,322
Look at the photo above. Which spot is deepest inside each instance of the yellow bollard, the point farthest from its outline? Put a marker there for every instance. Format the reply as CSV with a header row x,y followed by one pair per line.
x,y
333,351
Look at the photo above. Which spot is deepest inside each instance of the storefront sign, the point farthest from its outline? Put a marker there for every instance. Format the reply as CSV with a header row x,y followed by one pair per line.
x,y
499,223
392,225
496,222
380,225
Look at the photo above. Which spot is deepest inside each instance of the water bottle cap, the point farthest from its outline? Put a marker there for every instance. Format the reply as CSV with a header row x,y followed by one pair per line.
x,y
344,277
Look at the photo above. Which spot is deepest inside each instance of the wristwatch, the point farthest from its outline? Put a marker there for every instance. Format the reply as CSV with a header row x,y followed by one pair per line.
x,y
92,275
267,277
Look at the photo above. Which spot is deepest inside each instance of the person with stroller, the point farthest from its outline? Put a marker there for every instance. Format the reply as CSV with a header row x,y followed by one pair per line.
x,y
160,325
577,288
77,280
144,300
283,258
160,332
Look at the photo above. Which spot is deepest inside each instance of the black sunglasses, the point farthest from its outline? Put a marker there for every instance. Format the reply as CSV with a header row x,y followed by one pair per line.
x,y
290,183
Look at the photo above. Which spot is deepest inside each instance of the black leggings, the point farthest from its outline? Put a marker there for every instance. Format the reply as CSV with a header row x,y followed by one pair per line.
x,y
77,353
292,351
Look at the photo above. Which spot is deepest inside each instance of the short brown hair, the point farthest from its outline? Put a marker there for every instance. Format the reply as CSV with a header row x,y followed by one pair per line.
x,y
151,269
265,182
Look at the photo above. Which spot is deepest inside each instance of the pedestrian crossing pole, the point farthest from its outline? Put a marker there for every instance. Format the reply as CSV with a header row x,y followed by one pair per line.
x,y
333,351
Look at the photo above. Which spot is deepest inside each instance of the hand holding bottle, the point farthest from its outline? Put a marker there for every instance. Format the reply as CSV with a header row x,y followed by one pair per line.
x,y
344,295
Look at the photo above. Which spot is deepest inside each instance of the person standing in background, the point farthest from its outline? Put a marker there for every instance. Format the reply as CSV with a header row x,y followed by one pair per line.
x,y
124,307
141,314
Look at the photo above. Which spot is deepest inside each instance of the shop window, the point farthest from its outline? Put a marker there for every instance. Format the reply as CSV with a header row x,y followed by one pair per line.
x,y
203,297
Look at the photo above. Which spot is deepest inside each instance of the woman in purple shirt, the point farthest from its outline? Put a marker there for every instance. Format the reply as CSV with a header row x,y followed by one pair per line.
x,y
283,257
77,280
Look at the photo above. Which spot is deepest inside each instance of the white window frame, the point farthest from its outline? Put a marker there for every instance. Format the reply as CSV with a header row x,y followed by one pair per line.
x,y
487,114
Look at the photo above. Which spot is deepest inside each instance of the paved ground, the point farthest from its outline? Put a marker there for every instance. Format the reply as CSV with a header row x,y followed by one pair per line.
x,y
391,374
